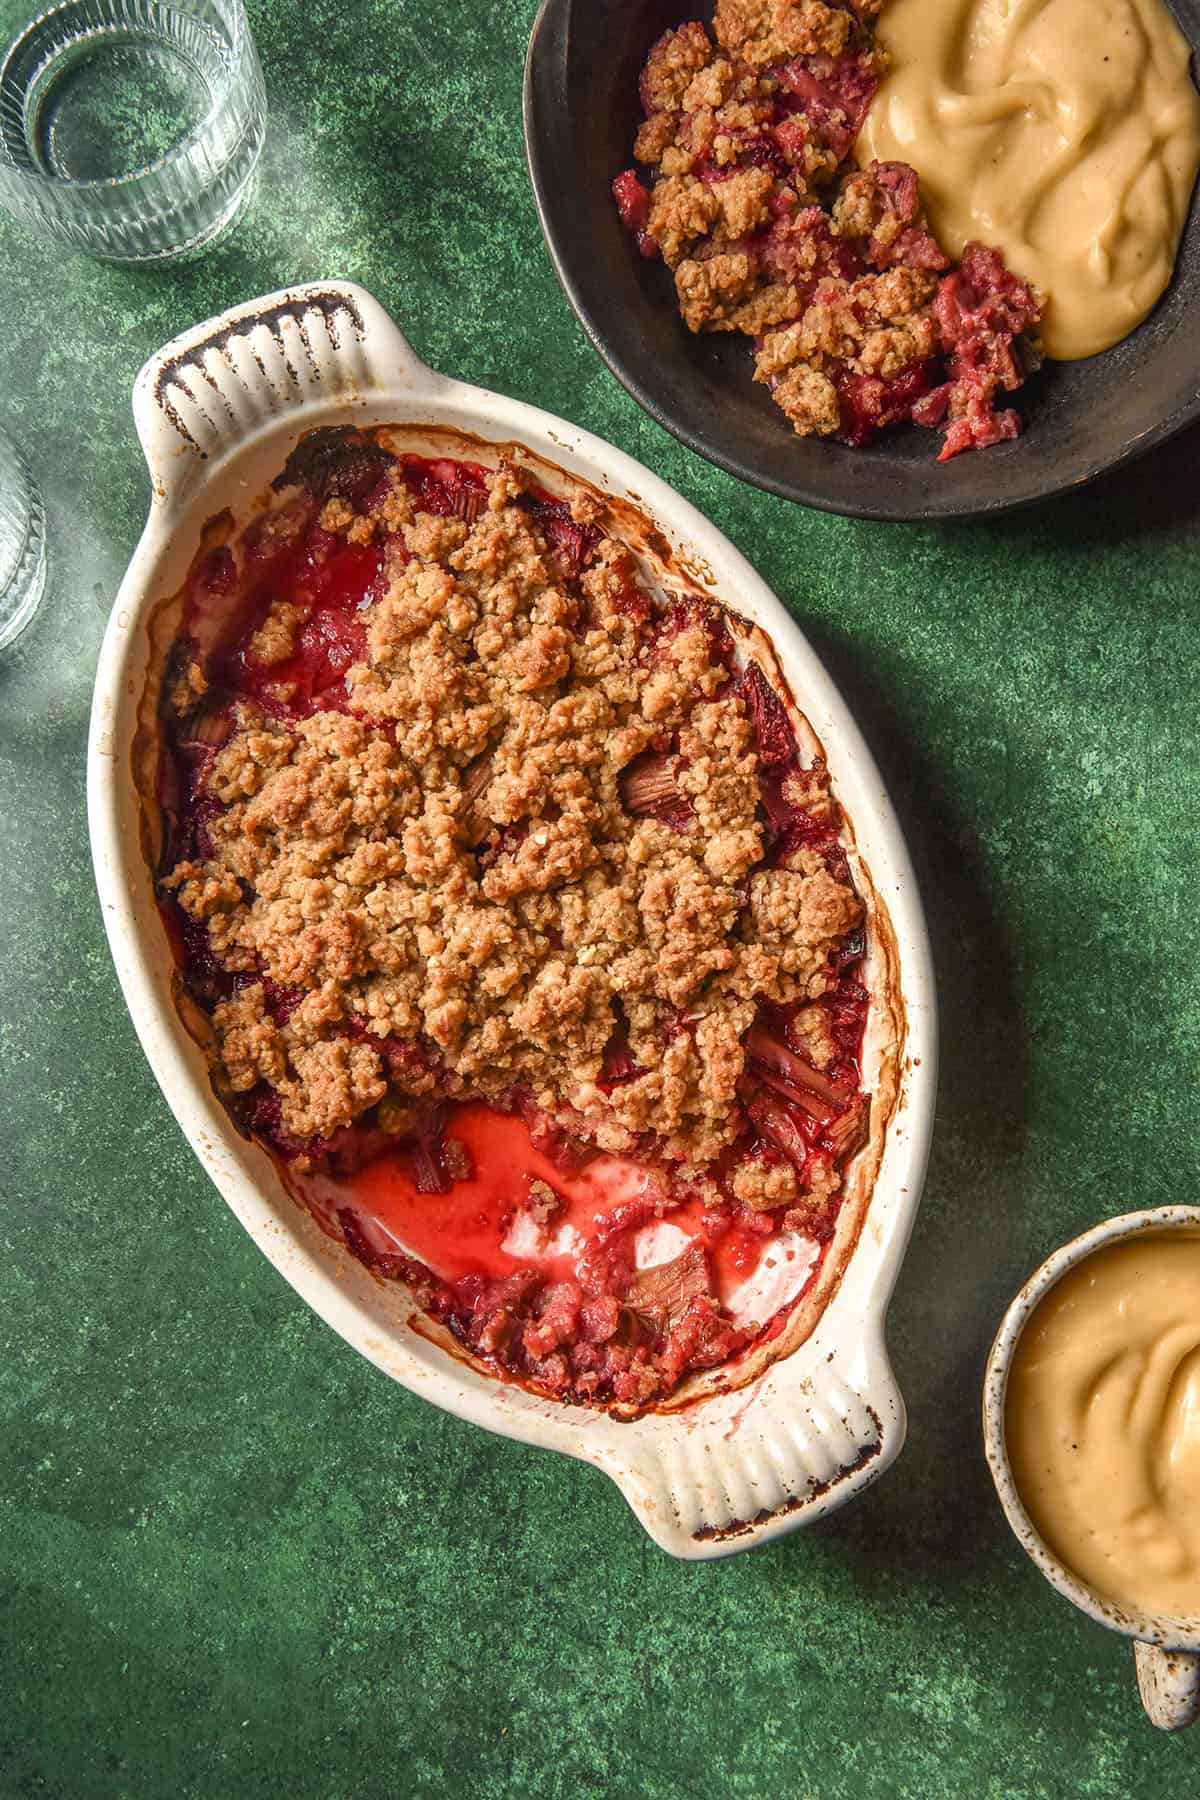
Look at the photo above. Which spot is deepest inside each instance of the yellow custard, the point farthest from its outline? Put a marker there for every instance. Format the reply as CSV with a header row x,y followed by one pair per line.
x,y
1102,1421
1064,132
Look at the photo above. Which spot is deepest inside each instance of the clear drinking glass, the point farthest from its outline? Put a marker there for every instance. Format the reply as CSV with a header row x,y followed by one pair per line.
x,y
129,129
22,543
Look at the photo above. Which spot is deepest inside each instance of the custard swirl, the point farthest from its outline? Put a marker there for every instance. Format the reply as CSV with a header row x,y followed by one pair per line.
x,y
1103,1421
1065,132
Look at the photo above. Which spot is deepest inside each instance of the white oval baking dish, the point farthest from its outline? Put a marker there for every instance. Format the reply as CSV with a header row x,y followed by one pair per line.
x,y
217,412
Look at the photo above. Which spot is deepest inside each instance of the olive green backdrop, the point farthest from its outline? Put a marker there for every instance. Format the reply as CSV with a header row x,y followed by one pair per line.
x,y
234,1559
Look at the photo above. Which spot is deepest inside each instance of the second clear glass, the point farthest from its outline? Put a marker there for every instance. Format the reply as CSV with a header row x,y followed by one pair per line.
x,y
130,129
22,543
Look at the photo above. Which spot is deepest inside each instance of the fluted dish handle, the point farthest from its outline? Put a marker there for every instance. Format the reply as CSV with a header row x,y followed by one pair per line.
x,y
218,384
760,1456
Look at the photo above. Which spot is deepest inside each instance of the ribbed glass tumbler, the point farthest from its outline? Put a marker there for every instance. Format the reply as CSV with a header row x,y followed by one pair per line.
x,y
22,543
130,129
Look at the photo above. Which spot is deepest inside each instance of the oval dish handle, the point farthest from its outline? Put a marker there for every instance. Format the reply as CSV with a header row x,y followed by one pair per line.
x,y
763,1459
213,387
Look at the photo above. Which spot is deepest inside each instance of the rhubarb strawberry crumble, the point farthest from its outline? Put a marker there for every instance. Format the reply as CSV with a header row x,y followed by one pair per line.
x,y
749,193
513,904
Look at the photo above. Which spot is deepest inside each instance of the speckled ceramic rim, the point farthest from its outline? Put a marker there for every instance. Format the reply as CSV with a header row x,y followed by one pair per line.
x,y
1154,1629
218,411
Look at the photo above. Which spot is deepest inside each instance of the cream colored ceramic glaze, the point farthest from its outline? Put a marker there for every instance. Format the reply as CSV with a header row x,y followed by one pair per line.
x,y
1102,1421
1066,132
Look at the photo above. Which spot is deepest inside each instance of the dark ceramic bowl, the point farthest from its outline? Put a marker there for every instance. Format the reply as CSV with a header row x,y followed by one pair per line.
x,y
581,113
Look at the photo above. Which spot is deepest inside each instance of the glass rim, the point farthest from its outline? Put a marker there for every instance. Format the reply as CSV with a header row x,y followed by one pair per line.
x,y
11,450
34,181
26,562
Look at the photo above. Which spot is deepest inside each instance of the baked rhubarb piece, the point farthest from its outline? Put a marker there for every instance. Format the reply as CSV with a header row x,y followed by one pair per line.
x,y
749,193
511,899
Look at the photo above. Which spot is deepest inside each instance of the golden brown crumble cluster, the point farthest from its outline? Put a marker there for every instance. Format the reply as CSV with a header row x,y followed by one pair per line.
x,y
454,862
746,248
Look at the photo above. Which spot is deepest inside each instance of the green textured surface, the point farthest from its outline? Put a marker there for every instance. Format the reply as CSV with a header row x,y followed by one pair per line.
x,y
234,1559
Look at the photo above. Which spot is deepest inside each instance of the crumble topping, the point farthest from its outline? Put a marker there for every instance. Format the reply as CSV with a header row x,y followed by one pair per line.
x,y
762,32
461,816
754,204
458,858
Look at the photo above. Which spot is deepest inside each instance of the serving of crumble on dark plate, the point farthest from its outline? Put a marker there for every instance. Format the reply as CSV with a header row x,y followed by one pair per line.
x,y
1080,419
